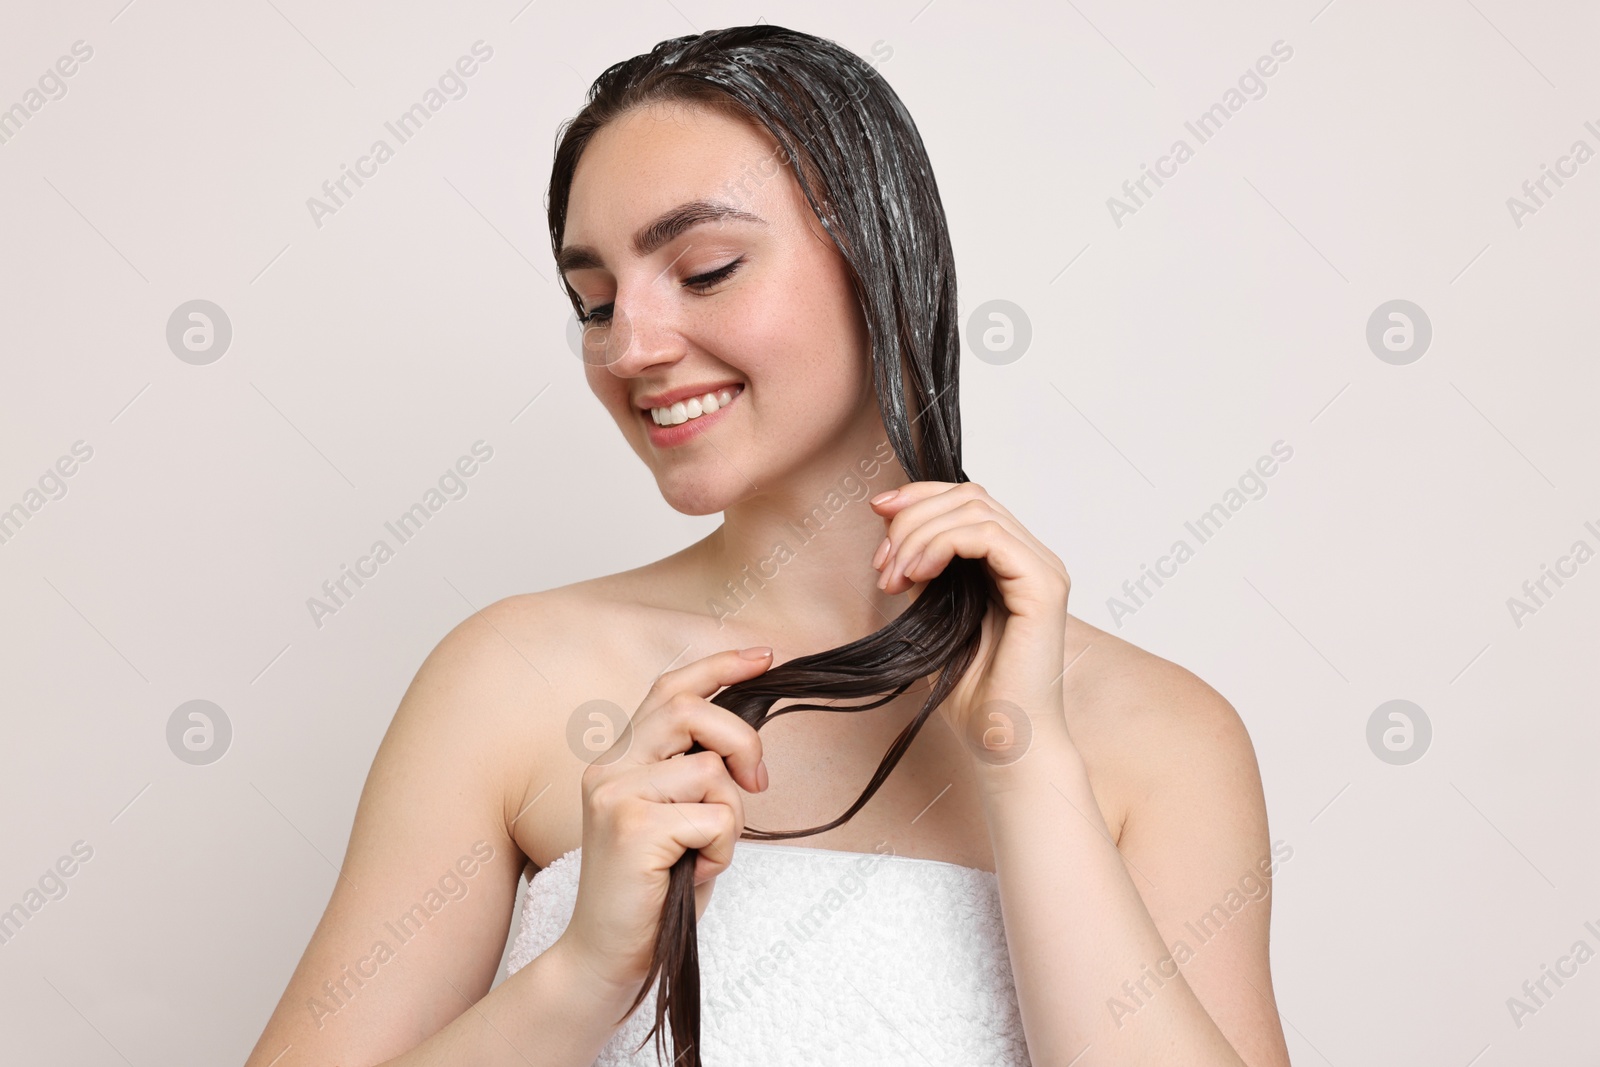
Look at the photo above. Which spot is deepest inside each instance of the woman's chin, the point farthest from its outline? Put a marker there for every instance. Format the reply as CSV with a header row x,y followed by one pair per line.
x,y
699,498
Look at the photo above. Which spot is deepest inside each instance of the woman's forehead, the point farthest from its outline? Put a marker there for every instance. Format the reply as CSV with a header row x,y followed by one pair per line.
x,y
656,157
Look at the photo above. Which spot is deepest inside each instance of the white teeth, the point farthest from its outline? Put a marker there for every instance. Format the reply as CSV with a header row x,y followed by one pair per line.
x,y
693,408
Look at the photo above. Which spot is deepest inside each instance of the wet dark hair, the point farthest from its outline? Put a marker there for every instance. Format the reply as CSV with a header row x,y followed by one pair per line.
x,y
863,169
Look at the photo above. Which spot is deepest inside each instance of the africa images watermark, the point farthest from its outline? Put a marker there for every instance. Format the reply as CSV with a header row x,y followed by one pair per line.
x,y
1251,888
52,486
1536,192
735,990
451,886
845,489
1566,967
404,127
1203,528
452,485
52,86
52,885
1206,125
1537,592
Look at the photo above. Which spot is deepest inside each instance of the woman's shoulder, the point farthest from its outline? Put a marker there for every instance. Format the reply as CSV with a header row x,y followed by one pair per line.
x,y
1130,708
1139,718
1120,689
591,614
516,672
537,654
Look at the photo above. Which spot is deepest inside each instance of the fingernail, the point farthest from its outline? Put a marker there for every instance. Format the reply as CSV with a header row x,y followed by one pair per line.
x,y
905,572
761,775
884,498
883,550
755,652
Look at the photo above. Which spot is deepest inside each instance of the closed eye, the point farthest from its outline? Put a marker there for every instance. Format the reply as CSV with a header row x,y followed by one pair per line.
x,y
705,281
699,282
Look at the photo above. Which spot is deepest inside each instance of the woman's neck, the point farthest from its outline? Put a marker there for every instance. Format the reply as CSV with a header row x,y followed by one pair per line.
x,y
795,566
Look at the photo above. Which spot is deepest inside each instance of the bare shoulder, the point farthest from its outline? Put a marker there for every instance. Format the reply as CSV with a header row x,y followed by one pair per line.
x,y
441,796
534,660
528,655
540,644
1172,765
1140,719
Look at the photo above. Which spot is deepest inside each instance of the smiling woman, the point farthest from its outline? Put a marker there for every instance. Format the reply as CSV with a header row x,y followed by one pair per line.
x,y
764,279
753,331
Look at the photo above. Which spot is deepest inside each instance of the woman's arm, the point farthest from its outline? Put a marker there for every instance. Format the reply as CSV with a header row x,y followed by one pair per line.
x,y
398,968
1152,949
551,1013
1090,916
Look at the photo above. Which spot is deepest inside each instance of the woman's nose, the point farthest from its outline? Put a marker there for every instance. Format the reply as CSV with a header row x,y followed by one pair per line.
x,y
643,333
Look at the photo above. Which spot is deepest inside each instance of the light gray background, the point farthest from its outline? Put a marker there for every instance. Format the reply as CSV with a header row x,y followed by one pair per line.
x,y
1167,354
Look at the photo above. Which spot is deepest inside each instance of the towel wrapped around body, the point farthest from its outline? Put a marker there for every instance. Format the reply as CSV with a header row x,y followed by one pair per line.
x,y
818,956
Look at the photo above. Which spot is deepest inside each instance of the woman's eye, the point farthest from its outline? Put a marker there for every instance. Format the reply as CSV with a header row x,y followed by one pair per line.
x,y
602,314
705,281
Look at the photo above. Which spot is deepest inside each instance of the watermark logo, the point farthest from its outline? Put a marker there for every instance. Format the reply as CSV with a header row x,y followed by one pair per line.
x,y
601,341
199,332
599,732
1399,332
1399,732
199,732
1000,733
999,332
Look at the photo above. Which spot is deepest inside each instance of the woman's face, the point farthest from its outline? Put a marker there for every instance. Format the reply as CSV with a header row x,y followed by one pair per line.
x,y
756,306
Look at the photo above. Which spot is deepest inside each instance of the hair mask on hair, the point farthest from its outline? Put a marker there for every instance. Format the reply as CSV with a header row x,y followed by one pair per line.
x,y
861,164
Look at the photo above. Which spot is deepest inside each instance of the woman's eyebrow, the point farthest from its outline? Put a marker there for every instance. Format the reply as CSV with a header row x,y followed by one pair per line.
x,y
658,232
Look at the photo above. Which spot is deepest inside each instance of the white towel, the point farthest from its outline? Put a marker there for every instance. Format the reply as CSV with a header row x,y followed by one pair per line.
x,y
817,956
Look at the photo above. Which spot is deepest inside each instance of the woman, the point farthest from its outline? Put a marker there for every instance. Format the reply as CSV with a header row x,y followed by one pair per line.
x,y
748,226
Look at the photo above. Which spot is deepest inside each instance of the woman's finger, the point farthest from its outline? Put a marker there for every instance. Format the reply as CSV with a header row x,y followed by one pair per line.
x,y
686,720
697,780
691,778
705,676
921,529
1016,568
709,828
968,498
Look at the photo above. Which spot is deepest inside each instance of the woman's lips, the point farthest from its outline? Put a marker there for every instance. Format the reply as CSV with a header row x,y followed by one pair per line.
x,y
670,436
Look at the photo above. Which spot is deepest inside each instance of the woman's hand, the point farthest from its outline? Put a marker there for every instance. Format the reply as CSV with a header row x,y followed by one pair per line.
x,y
1013,688
644,808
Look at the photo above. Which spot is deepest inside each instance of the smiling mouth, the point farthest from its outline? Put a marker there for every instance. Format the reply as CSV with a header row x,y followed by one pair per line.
x,y
693,408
